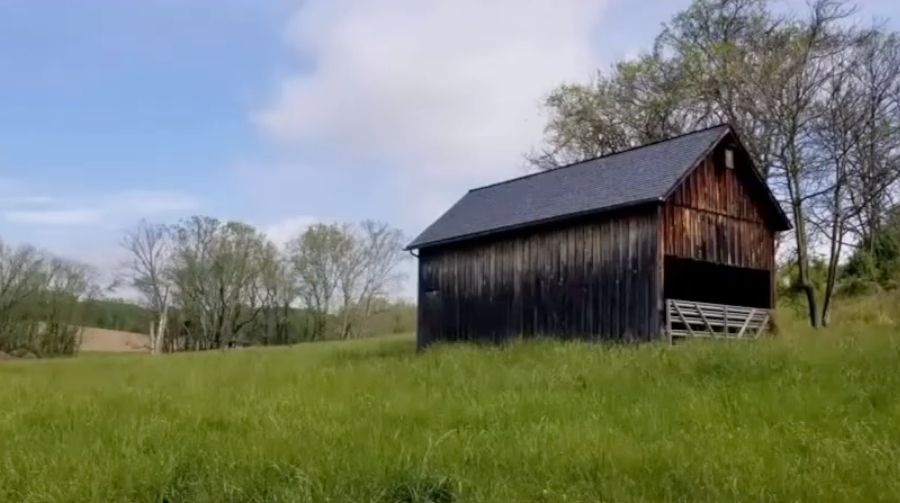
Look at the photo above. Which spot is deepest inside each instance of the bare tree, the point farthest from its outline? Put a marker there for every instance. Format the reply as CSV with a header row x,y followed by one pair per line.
x,y
382,250
147,270
835,138
876,156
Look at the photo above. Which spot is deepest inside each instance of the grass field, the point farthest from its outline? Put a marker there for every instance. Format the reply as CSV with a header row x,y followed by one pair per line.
x,y
801,417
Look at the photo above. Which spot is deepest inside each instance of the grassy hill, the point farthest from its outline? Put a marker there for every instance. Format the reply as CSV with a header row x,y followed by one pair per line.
x,y
115,341
809,417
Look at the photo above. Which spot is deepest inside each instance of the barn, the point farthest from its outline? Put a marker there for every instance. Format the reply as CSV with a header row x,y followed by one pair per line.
x,y
674,238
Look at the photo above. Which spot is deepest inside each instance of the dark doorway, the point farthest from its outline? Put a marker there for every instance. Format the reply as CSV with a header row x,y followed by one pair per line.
x,y
699,281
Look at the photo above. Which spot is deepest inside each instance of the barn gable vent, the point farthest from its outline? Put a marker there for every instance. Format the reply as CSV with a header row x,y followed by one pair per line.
x,y
729,158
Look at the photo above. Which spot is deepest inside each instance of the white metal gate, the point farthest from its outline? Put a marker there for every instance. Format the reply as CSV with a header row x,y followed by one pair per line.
x,y
700,319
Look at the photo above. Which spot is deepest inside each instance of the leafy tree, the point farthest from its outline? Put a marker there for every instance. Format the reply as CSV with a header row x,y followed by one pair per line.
x,y
40,301
344,269
877,258
215,273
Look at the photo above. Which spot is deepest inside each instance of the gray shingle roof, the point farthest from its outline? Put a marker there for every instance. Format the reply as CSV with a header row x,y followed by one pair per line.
x,y
631,177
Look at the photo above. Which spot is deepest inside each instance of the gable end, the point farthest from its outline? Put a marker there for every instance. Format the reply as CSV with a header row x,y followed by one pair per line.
x,y
739,192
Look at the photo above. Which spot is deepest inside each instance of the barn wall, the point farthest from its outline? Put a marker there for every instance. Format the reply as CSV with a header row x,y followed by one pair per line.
x,y
593,279
714,216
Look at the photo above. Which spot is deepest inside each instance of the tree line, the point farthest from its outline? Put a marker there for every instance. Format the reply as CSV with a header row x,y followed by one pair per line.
x,y
40,297
203,283
815,97
214,284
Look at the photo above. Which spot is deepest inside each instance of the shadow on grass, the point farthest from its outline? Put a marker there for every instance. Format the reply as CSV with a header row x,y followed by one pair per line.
x,y
421,489
388,349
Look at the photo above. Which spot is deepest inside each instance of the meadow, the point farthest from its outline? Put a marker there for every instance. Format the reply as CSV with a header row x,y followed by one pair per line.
x,y
799,417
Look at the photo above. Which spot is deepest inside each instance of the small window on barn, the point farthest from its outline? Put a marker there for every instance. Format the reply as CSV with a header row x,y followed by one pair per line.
x,y
729,158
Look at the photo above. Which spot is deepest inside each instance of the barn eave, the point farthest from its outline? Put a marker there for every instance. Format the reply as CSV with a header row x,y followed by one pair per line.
x,y
535,223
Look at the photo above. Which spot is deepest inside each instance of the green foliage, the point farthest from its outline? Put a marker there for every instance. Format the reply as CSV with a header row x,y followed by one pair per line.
x,y
346,270
388,317
116,314
638,102
854,287
877,257
808,416
787,289
40,308
827,148
212,284
25,337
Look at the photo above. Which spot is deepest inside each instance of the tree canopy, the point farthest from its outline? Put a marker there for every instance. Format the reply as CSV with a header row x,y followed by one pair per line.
x,y
814,96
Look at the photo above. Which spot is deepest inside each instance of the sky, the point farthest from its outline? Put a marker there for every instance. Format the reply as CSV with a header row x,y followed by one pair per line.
x,y
280,113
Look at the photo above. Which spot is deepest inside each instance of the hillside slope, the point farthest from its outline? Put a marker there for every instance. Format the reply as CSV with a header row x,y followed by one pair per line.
x,y
808,418
115,341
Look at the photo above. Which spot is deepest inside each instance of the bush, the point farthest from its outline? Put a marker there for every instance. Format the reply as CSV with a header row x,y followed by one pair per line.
x,y
857,286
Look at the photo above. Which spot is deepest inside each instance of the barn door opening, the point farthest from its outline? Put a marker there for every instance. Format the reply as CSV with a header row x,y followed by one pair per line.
x,y
699,281
704,299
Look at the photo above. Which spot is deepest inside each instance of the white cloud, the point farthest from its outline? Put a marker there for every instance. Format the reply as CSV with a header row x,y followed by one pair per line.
x,y
446,92
55,217
118,207
153,202
287,229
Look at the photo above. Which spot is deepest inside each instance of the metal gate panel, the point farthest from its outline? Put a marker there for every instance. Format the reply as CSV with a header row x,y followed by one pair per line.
x,y
685,318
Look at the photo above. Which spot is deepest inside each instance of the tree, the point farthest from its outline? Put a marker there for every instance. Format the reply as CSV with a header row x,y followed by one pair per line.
x,y
341,269
215,272
834,137
216,284
382,250
147,271
40,301
639,102
876,153
877,258
813,98
316,257
278,293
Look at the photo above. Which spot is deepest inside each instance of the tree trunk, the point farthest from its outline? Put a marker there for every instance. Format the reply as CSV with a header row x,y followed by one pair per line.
x,y
345,323
830,281
161,329
834,255
803,252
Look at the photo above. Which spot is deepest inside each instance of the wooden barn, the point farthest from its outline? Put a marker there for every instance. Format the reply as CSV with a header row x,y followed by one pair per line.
x,y
674,238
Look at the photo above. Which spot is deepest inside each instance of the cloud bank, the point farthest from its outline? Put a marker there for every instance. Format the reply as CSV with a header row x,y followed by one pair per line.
x,y
109,209
446,94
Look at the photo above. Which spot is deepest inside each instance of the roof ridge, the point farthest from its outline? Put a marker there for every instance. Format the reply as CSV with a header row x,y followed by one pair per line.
x,y
604,156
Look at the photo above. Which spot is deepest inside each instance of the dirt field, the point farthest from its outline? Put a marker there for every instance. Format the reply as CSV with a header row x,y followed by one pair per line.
x,y
99,339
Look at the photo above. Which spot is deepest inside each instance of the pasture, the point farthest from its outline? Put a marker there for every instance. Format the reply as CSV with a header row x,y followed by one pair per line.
x,y
800,417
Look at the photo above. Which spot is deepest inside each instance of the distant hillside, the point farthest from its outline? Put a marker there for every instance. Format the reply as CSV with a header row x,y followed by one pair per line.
x,y
115,341
115,314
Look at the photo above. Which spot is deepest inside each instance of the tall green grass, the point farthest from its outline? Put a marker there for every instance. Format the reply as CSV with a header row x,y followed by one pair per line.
x,y
800,417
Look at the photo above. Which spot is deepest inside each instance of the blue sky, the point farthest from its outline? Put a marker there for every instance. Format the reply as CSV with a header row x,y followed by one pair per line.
x,y
281,113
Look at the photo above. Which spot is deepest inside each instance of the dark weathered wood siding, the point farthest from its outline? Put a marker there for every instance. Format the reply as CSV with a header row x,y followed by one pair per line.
x,y
604,277
595,278
715,216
